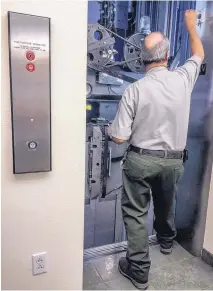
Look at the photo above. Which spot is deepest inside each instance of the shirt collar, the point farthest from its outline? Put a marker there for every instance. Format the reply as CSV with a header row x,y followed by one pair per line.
x,y
157,69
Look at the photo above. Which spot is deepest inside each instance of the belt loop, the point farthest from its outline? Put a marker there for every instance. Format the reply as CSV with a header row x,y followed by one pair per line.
x,y
141,151
165,154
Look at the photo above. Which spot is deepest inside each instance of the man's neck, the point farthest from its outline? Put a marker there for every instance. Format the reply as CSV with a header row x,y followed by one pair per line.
x,y
155,65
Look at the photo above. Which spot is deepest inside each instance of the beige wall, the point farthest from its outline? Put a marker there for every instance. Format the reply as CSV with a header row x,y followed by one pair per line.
x,y
208,239
44,212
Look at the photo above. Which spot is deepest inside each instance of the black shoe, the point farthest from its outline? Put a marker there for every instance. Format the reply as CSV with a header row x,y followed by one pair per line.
x,y
124,269
163,249
166,251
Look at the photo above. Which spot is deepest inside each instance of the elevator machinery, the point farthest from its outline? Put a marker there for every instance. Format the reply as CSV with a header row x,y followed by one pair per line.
x,y
116,30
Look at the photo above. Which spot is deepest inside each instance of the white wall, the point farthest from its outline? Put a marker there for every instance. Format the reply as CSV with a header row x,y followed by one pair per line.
x,y
208,239
44,212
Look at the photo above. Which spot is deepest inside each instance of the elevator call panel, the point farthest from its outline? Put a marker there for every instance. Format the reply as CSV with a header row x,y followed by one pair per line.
x,y
30,86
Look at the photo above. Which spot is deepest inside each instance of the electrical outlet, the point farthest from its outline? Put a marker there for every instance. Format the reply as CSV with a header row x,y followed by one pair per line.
x,y
39,262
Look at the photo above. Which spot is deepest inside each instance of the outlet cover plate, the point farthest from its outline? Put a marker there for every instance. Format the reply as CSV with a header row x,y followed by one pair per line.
x,y
39,263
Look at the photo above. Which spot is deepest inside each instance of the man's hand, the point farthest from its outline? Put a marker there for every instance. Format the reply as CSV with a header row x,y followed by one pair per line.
x,y
114,139
190,20
118,140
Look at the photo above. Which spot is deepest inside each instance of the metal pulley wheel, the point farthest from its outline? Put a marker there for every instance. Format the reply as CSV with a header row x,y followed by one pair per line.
x,y
100,45
89,90
133,53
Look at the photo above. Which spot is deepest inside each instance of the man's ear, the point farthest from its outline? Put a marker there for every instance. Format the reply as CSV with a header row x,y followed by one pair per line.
x,y
167,55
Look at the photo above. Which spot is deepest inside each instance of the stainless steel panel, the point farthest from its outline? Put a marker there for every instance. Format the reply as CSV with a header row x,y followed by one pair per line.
x,y
190,185
89,225
29,43
105,222
87,193
114,182
198,168
106,79
120,233
108,109
118,150
95,154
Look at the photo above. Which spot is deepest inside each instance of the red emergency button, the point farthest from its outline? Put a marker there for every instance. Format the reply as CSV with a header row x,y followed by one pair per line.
x,y
30,55
30,67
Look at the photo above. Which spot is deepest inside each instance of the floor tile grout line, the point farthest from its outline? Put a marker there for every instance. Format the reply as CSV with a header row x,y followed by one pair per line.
x,y
101,282
98,273
105,282
157,268
174,263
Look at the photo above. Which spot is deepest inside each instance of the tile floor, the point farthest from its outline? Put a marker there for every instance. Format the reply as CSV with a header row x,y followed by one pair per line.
x,y
178,271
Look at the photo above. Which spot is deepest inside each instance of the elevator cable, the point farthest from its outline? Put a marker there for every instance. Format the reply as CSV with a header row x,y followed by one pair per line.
x,y
117,188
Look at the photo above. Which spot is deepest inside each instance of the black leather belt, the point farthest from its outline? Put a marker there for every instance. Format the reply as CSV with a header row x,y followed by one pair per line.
x,y
159,154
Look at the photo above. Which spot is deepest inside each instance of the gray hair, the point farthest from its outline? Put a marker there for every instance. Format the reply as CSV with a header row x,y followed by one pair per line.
x,y
156,54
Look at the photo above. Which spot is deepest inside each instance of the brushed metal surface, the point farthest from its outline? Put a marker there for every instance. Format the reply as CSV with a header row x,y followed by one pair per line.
x,y
29,44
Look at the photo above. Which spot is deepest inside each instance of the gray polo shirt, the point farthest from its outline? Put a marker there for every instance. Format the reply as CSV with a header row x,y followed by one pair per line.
x,y
154,111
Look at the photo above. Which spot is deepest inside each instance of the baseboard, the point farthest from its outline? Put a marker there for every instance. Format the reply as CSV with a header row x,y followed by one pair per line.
x,y
207,257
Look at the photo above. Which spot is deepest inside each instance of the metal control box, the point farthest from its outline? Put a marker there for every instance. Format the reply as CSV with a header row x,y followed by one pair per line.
x,y
30,82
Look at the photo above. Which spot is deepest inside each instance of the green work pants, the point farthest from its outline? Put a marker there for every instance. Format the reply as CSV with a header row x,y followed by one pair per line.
x,y
144,176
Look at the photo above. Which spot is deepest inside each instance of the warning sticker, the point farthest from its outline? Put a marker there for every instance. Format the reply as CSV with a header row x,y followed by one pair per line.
x,y
27,45
89,107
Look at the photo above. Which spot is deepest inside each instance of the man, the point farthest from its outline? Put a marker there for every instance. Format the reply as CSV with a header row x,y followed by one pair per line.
x,y
153,117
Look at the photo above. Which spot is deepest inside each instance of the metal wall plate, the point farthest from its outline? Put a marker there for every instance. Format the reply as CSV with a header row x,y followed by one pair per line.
x,y
105,79
29,52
